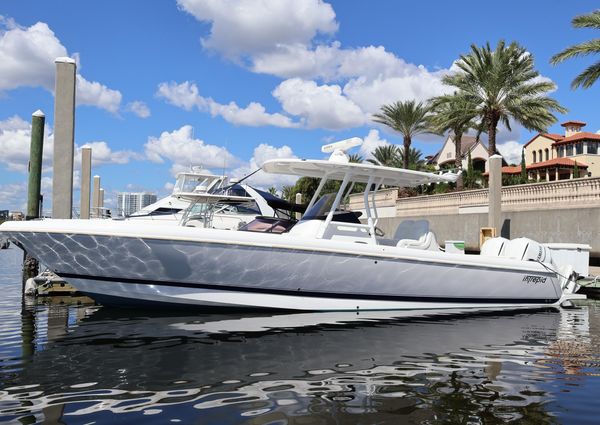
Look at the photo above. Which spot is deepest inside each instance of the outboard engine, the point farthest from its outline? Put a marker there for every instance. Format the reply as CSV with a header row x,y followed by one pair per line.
x,y
527,250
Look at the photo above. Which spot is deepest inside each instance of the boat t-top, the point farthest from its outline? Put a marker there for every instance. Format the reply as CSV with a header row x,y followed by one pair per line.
x,y
206,200
332,259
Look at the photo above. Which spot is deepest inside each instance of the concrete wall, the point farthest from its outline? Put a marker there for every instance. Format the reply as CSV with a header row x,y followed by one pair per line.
x,y
549,225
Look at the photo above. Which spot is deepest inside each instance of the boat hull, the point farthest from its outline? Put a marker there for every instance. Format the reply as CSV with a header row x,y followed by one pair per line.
x,y
230,274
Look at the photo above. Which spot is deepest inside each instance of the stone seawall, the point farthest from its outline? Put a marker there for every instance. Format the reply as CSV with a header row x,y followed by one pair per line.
x,y
576,225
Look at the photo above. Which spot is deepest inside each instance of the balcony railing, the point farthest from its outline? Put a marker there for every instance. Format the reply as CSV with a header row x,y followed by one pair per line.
x,y
563,194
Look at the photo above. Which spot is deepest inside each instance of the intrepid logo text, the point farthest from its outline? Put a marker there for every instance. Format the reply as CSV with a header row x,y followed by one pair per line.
x,y
534,279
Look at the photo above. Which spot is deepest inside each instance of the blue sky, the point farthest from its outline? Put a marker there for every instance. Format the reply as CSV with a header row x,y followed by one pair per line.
x,y
166,84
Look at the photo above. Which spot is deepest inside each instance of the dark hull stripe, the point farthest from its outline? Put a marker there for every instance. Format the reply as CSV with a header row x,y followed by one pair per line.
x,y
299,292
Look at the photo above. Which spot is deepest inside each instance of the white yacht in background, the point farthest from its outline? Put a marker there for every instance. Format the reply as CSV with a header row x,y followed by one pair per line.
x,y
327,261
229,206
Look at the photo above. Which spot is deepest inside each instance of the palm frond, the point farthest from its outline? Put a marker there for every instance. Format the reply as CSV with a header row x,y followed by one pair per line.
x,y
588,77
581,49
591,20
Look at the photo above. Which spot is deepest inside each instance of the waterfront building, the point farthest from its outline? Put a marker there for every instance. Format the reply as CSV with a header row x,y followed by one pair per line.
x,y
130,202
552,157
445,157
16,215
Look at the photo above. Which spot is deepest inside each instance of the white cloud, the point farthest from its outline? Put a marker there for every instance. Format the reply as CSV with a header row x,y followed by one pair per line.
x,y
262,153
27,57
279,38
370,143
12,196
320,106
511,151
15,138
103,154
139,108
181,148
96,94
370,95
187,96
246,27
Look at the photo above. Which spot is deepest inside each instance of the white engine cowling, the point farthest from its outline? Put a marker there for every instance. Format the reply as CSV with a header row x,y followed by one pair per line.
x,y
527,250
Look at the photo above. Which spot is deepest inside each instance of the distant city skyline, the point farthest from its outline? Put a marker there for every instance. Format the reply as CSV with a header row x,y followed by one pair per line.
x,y
165,85
131,202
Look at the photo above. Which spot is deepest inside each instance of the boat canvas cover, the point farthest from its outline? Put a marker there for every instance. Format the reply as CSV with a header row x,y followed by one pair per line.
x,y
358,172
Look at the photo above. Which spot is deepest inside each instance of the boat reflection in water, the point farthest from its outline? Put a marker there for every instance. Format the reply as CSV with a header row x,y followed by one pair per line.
x,y
300,368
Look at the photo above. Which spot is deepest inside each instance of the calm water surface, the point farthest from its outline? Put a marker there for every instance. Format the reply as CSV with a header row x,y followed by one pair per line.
x,y
80,364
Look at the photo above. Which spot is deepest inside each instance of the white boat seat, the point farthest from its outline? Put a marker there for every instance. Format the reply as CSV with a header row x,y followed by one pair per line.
x,y
427,242
494,247
411,229
415,234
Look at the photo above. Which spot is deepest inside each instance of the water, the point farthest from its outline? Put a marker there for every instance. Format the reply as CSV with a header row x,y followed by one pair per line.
x,y
80,364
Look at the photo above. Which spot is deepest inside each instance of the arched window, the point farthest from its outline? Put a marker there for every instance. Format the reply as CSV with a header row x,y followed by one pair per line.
x,y
534,156
547,155
541,158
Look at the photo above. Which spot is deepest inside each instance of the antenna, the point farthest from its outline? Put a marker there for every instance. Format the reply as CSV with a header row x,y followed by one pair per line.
x,y
224,159
338,149
342,145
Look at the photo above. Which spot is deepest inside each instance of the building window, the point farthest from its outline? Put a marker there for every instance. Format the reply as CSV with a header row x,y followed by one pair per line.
x,y
579,148
534,156
561,151
540,157
569,150
547,155
592,147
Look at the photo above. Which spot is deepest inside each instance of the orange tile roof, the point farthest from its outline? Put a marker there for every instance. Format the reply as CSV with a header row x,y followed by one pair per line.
x,y
583,135
565,162
509,169
551,136
566,123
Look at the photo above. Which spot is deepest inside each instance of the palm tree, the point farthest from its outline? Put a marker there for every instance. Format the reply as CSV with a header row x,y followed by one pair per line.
x,y
287,193
407,118
415,158
355,157
386,155
590,75
504,85
273,190
455,113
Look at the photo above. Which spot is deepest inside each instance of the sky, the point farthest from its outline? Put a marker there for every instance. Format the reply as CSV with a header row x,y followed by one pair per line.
x,y
227,84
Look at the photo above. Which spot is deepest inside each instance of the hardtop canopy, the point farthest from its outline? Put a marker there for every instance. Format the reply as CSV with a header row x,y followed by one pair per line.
x,y
357,172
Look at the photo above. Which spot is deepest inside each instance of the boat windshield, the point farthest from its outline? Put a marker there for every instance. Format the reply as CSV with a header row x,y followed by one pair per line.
x,y
191,183
321,208
248,208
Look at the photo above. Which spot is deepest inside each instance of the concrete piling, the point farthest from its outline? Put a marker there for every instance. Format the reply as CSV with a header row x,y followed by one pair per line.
x,y
86,176
64,132
101,203
96,198
298,201
495,193
30,264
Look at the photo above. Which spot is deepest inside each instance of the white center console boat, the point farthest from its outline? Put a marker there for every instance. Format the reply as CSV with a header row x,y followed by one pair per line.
x,y
327,261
